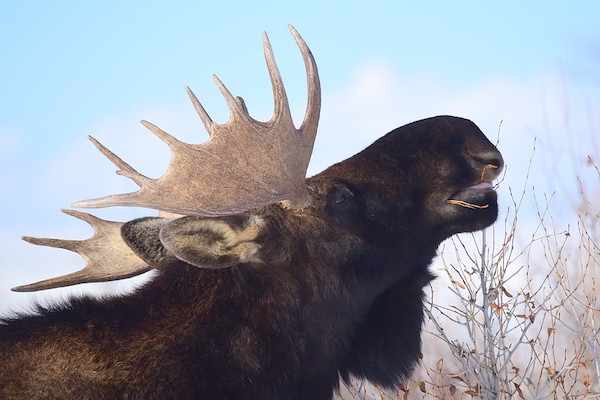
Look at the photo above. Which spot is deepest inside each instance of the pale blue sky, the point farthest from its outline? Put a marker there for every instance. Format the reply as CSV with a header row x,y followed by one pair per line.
x,y
65,63
73,68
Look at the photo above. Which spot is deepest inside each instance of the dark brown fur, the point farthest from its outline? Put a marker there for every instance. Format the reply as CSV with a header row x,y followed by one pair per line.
x,y
338,292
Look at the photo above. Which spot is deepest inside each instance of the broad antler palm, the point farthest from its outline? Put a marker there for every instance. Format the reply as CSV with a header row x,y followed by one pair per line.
x,y
245,164
108,256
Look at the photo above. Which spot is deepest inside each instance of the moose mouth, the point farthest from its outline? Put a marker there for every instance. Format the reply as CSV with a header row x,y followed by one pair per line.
x,y
479,196
468,209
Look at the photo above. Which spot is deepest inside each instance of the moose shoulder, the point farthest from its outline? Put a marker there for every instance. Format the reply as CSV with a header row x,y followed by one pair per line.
x,y
275,300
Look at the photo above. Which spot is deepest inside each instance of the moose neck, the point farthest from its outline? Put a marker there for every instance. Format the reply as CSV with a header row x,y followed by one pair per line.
x,y
255,323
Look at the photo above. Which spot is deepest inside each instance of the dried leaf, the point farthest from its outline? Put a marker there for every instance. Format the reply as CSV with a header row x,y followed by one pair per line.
x,y
422,386
494,295
452,389
518,388
495,307
439,364
460,285
506,292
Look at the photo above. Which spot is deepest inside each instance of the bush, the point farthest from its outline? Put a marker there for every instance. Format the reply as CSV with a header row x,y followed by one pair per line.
x,y
514,311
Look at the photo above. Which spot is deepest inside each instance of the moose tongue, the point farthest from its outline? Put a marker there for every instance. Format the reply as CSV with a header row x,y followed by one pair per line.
x,y
481,186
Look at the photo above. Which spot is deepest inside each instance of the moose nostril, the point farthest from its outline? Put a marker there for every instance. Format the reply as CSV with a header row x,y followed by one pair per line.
x,y
492,158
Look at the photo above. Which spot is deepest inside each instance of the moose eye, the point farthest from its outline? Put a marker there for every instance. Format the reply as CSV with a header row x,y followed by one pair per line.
x,y
340,198
340,195
344,206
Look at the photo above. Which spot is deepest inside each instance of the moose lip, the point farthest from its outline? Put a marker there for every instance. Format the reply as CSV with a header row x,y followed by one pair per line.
x,y
475,193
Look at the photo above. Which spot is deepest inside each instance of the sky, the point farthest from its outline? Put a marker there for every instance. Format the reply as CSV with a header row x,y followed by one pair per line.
x,y
527,73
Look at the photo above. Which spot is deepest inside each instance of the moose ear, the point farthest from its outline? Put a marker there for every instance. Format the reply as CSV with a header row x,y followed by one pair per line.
x,y
213,242
142,236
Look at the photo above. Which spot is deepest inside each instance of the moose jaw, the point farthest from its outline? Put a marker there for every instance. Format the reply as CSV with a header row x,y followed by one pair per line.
x,y
270,285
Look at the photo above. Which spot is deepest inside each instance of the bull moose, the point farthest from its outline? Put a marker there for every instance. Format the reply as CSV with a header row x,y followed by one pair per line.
x,y
270,285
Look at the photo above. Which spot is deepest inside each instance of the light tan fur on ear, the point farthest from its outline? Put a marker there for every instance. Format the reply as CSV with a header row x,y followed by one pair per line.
x,y
213,243
234,242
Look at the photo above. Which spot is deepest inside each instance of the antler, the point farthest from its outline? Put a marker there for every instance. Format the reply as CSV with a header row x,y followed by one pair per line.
x,y
245,164
108,257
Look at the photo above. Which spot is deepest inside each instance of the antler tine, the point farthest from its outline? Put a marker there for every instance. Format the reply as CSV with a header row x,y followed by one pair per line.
x,y
170,140
245,164
282,107
313,106
124,168
204,117
234,107
108,257
242,104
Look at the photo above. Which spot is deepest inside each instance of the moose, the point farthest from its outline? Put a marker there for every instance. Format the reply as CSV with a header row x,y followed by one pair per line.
x,y
270,285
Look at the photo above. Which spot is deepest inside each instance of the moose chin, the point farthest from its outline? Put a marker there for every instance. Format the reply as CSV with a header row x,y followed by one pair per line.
x,y
270,285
